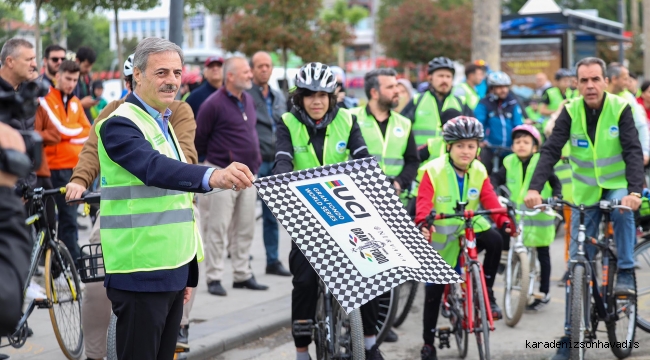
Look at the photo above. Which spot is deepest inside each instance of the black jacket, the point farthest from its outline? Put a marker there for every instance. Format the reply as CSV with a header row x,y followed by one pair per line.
x,y
265,124
15,250
284,147
629,137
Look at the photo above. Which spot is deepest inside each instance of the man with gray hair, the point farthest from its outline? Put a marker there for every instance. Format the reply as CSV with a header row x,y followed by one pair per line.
x,y
225,132
619,77
18,60
150,239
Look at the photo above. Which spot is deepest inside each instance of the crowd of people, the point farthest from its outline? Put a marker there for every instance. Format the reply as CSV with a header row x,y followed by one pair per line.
x,y
150,152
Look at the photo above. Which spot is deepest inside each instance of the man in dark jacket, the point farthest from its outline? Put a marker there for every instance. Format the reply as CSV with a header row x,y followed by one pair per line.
x,y
269,107
212,81
15,245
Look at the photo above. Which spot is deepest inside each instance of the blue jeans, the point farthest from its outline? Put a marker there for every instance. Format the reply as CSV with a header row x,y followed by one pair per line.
x,y
67,215
624,236
271,236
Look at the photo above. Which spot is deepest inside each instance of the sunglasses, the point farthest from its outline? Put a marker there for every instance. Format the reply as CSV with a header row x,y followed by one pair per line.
x,y
57,59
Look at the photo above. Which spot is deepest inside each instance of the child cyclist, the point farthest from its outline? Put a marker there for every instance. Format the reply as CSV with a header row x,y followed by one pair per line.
x,y
539,230
458,176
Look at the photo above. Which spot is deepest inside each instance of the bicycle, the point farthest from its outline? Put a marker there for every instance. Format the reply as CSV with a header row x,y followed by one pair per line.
x,y
642,267
407,292
591,302
521,272
337,335
467,313
62,285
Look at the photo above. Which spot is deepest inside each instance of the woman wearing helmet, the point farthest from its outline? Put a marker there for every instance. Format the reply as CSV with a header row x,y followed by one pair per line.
x,y
553,97
453,177
499,112
313,133
516,174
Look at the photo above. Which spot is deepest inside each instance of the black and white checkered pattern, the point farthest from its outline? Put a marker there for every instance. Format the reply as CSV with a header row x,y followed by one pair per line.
x,y
349,287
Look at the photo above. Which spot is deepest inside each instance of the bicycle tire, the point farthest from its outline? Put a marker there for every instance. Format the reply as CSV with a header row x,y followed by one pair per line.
x,y
410,289
111,338
577,311
387,309
622,352
642,322
320,331
356,331
514,304
461,333
352,339
481,327
71,344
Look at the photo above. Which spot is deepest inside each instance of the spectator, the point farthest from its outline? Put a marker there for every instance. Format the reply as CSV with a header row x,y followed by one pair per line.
x,y
66,112
225,133
269,107
213,80
52,59
85,58
405,90
98,91
644,98
542,83
474,75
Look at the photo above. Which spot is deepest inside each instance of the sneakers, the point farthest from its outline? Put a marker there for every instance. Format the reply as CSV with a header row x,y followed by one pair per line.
x,y
496,310
374,353
215,288
539,302
428,353
564,352
391,337
183,337
625,283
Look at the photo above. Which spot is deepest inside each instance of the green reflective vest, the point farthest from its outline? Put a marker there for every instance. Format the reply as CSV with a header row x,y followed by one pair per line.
x,y
388,150
336,141
555,98
446,195
471,96
598,165
532,114
427,124
539,230
564,174
144,228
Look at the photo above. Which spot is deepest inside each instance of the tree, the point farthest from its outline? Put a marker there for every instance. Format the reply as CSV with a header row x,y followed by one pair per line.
x,y
128,46
7,13
351,15
222,8
486,32
419,30
283,25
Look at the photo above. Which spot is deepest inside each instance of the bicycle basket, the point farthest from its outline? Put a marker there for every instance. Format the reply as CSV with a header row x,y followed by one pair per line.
x,y
91,263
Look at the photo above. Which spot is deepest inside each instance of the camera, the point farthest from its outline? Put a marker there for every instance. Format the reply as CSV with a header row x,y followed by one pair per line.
x,y
15,109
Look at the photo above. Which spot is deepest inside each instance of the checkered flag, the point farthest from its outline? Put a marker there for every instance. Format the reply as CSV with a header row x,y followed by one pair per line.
x,y
349,223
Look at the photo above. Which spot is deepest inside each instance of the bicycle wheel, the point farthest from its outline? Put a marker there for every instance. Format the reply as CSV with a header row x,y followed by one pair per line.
x,y
387,304
515,297
623,329
320,332
461,333
407,293
642,263
111,336
481,326
348,334
577,322
64,292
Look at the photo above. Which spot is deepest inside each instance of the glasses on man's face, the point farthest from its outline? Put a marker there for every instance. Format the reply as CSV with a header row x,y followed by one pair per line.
x,y
56,59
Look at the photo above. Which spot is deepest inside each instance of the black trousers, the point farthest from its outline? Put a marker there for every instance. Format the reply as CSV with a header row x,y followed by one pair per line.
x,y
544,258
490,241
147,323
305,295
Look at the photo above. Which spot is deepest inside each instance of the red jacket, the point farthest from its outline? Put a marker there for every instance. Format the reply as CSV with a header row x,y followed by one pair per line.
x,y
424,203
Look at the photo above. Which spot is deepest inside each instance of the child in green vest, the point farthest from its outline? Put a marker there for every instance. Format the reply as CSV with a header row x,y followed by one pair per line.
x,y
539,230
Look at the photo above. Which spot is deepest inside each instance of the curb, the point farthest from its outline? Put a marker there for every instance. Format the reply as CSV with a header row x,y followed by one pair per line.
x,y
234,330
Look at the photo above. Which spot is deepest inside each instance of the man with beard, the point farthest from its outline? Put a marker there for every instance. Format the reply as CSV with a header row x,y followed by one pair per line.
x,y
387,133
426,109
53,56
226,133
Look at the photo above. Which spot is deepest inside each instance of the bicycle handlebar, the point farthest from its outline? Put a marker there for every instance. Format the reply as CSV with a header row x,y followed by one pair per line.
x,y
89,197
466,214
602,204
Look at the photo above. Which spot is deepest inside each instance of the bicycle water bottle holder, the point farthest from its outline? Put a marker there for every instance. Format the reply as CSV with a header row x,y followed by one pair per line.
x,y
443,334
303,327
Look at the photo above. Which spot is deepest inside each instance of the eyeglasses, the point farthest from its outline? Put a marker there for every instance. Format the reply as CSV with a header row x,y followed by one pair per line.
x,y
57,59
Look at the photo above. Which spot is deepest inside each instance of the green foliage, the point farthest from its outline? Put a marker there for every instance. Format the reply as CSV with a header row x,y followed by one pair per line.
x,y
128,46
8,13
223,8
351,15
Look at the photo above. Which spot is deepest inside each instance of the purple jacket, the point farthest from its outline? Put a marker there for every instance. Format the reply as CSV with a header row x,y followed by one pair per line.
x,y
223,135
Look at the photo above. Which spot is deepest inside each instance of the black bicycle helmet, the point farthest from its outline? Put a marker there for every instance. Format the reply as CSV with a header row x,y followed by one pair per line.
x,y
462,128
562,73
441,63
316,77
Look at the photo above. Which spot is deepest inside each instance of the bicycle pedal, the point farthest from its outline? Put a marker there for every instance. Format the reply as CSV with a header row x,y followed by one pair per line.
x,y
443,334
303,327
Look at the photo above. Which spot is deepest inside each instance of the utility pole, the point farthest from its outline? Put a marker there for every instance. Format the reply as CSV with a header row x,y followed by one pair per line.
x,y
176,16
646,38
486,32
621,19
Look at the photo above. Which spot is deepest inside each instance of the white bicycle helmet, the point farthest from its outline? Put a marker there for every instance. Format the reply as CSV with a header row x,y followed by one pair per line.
x,y
316,77
128,66
498,78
